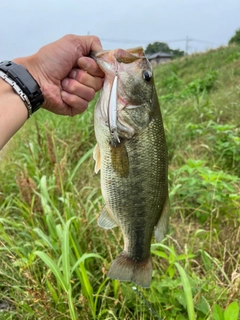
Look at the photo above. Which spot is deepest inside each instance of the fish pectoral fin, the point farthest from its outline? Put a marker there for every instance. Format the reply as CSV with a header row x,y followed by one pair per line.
x,y
162,225
97,158
106,220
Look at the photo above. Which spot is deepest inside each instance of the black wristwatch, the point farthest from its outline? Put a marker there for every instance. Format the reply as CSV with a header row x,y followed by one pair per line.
x,y
25,81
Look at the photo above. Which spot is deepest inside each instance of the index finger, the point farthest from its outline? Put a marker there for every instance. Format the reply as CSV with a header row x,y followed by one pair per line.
x,y
89,65
88,44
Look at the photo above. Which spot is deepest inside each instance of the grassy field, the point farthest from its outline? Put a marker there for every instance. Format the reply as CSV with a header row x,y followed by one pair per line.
x,y
53,256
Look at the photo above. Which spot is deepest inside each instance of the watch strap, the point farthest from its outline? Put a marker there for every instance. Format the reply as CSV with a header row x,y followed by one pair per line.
x,y
25,81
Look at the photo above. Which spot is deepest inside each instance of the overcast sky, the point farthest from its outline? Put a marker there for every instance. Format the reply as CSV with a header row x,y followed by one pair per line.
x,y
26,25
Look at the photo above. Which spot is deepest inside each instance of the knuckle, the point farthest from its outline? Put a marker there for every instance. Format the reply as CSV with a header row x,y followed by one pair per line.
x,y
81,76
68,37
99,84
91,94
77,104
69,85
65,83
84,105
73,86
70,99
96,39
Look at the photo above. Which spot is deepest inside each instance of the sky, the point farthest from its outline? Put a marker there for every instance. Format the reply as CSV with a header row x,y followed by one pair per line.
x,y
27,25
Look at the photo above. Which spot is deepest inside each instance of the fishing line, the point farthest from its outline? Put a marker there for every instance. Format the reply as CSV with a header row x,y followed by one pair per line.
x,y
135,289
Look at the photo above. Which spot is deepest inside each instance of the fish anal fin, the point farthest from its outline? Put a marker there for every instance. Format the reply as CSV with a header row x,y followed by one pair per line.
x,y
106,220
162,225
97,158
124,268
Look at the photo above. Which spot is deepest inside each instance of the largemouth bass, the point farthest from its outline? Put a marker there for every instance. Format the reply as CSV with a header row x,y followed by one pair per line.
x,y
132,155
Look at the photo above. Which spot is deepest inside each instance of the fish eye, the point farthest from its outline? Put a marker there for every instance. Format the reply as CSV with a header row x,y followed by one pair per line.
x,y
147,76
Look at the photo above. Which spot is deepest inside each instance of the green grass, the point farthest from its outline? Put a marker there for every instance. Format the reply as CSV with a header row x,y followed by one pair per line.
x,y
53,256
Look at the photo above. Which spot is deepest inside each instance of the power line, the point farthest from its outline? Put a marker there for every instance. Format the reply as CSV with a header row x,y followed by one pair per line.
x,y
203,41
151,41
137,41
145,42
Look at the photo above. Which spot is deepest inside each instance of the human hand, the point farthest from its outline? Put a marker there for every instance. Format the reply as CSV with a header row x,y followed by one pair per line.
x,y
67,77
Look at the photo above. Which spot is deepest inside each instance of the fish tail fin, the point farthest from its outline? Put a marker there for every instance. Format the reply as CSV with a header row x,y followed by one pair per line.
x,y
125,268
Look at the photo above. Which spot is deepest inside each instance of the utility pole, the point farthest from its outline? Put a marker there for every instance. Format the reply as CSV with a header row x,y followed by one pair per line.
x,y
186,49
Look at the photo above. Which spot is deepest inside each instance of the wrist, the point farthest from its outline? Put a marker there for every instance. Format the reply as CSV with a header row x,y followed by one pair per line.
x,y
23,83
29,64
13,112
12,101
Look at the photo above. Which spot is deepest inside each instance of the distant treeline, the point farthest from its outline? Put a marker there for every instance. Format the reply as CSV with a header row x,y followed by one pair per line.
x,y
163,47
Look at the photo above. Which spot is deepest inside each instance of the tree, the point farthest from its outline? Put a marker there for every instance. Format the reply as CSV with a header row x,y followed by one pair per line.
x,y
236,38
157,47
163,47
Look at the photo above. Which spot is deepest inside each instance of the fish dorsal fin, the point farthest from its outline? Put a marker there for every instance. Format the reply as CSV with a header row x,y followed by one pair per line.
x,y
162,225
97,158
106,220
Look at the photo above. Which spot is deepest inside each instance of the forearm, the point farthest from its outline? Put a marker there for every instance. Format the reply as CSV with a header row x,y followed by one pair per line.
x,y
13,112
